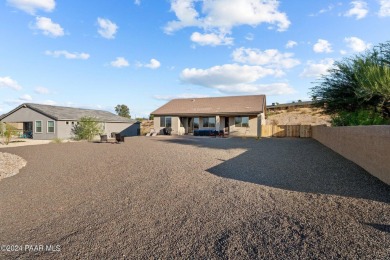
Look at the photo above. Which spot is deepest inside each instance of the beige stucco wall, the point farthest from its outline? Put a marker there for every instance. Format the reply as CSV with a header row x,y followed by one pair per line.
x,y
367,146
176,129
251,131
243,131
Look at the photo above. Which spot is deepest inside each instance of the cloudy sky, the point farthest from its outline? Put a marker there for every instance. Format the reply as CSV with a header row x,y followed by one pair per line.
x,y
142,53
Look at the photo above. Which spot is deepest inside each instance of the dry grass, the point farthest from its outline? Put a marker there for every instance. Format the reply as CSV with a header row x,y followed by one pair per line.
x,y
298,116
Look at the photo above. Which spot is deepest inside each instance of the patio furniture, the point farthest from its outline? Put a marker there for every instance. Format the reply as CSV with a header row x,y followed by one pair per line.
x,y
118,137
103,138
167,131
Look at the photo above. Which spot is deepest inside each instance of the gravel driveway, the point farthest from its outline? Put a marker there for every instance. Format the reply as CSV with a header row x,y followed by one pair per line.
x,y
168,197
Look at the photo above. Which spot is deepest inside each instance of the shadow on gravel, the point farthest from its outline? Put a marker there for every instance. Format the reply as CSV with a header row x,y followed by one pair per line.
x,y
294,164
381,227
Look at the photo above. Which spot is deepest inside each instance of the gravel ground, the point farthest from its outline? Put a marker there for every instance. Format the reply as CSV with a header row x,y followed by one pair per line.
x,y
196,198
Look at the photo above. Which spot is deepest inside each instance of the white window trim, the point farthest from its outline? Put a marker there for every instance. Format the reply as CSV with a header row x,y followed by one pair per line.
x,y
47,127
35,127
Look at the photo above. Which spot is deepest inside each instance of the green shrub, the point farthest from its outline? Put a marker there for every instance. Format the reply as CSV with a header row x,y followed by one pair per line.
x,y
359,117
6,132
87,128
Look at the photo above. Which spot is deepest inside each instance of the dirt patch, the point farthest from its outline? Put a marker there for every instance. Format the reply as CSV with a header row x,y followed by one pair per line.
x,y
298,116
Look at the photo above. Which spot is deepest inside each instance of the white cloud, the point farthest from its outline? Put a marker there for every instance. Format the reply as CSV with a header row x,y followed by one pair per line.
x,y
271,58
211,39
223,15
153,64
356,44
314,70
359,10
120,62
48,27
8,82
325,10
25,97
250,37
68,55
384,10
31,6
290,44
322,46
137,2
107,29
41,90
234,78
185,95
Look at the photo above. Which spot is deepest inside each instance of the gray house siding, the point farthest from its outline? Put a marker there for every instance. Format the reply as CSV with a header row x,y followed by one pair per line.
x,y
25,114
125,129
64,129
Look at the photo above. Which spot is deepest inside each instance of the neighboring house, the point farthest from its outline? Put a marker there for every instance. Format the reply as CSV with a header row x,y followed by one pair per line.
x,y
236,116
44,122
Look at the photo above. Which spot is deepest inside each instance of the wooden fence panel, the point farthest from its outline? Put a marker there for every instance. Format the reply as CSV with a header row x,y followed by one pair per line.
x,y
293,131
285,131
279,131
305,131
266,130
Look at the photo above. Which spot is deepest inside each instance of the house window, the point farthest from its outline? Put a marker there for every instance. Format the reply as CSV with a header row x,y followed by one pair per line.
x,y
196,122
50,126
241,121
38,126
165,121
208,121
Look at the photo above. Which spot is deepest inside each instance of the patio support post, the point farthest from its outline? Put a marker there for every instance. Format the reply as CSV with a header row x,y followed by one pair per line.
x,y
217,122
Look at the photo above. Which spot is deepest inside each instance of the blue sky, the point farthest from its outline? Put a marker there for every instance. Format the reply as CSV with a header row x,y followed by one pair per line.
x,y
142,53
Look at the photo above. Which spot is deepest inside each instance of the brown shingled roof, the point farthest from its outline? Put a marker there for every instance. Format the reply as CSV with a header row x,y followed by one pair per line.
x,y
234,105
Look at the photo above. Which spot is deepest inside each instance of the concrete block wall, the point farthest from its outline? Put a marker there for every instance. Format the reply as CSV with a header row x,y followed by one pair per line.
x,y
367,146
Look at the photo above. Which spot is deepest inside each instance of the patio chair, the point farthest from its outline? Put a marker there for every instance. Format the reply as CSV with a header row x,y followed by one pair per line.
x,y
103,138
118,138
167,131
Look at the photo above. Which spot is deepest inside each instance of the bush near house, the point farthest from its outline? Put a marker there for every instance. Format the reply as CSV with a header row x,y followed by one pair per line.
x,y
6,132
87,128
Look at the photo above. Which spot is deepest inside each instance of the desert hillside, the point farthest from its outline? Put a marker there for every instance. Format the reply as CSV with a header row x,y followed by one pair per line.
x,y
146,126
298,116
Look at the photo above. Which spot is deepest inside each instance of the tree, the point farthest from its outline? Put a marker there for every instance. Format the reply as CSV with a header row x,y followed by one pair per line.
x,y
123,110
360,82
87,128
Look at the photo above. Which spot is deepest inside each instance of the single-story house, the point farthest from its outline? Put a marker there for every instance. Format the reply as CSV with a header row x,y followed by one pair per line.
x,y
235,115
45,122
